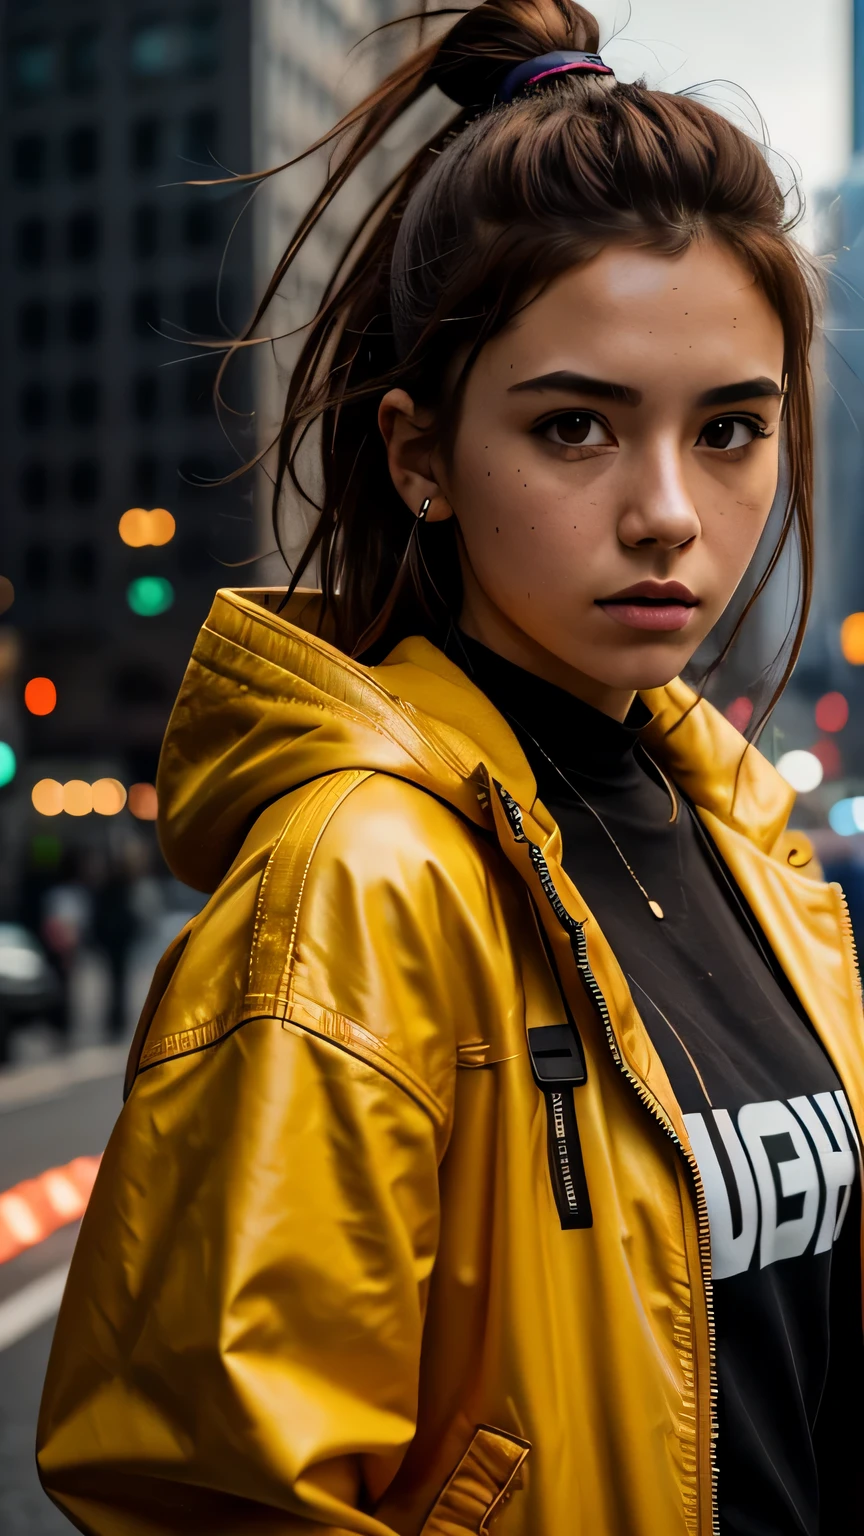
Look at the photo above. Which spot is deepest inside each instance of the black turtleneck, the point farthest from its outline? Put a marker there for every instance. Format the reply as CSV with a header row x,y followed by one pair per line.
x,y
768,1121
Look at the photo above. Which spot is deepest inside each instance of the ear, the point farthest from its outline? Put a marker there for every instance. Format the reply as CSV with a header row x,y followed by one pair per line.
x,y
411,443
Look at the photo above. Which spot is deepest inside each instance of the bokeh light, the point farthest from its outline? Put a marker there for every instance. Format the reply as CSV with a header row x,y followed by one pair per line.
x,y
149,596
109,797
802,770
40,696
832,712
143,802
847,816
852,638
7,594
47,797
829,756
8,764
739,713
138,527
77,798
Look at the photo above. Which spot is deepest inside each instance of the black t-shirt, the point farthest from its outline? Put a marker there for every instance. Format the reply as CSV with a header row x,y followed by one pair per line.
x,y
769,1124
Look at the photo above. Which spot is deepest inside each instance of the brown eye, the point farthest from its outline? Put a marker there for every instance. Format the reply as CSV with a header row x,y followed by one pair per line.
x,y
728,432
577,429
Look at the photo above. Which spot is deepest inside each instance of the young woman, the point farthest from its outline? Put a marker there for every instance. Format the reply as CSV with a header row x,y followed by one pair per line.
x,y
489,1158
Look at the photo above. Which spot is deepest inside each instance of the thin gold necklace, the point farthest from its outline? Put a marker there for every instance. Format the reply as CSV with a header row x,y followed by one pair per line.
x,y
654,906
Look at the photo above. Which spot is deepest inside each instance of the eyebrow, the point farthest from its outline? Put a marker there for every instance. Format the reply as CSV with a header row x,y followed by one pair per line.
x,y
603,389
578,384
748,389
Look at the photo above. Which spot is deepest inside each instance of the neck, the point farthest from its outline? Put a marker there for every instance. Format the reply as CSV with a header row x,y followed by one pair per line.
x,y
494,630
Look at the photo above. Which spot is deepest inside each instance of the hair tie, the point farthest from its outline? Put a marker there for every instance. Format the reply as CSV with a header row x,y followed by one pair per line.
x,y
550,64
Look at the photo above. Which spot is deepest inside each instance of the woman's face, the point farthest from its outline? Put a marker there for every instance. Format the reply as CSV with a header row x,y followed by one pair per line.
x,y
614,463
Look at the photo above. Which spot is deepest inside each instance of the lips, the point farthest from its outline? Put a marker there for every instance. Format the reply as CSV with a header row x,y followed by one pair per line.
x,y
652,605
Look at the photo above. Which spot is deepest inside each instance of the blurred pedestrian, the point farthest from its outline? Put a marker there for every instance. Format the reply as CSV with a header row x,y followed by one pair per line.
x,y
64,915
116,921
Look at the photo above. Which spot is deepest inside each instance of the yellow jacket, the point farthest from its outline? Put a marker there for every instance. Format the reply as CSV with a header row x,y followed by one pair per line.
x,y
336,1274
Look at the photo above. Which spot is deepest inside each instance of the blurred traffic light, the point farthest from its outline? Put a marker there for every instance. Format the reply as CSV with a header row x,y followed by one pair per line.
x,y
149,596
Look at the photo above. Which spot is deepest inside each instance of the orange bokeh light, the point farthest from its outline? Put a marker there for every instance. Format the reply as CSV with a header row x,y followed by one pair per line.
x,y
77,798
40,696
832,712
47,797
143,802
852,639
138,527
109,797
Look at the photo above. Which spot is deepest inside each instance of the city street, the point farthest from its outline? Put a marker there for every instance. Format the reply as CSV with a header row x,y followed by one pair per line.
x,y
44,1123
53,1108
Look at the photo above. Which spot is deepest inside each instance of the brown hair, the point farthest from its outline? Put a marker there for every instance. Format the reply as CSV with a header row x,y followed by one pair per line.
x,y
504,198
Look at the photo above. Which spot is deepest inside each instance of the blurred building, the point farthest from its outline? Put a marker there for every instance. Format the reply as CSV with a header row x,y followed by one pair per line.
x,y
109,269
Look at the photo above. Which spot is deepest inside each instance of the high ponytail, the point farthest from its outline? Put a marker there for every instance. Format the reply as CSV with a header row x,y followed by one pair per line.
x,y
502,198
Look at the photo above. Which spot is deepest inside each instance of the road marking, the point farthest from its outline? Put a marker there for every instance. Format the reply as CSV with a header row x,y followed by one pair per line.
x,y
31,1211
33,1305
23,1086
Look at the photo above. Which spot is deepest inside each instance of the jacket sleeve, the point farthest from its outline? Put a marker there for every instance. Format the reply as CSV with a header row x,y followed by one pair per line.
x,y
238,1347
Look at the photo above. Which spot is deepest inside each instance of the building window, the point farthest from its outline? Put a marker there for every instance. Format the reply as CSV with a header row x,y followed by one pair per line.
x,y
160,49
201,136
37,567
83,320
33,486
82,151
34,405
145,313
30,159
145,396
145,230
85,482
33,67
145,144
83,402
31,244
33,324
201,222
83,235
83,565
83,59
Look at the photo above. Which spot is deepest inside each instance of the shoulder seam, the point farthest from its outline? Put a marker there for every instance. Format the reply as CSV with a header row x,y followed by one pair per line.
x,y
284,879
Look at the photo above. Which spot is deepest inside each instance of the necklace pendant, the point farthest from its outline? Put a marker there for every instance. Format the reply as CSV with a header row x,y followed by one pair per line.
x,y
656,909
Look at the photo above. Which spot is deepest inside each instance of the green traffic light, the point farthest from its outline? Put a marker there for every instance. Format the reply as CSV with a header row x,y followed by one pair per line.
x,y
8,764
149,596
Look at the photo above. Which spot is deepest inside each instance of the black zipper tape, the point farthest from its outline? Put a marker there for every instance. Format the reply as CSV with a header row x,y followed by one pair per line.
x,y
566,1165
557,1057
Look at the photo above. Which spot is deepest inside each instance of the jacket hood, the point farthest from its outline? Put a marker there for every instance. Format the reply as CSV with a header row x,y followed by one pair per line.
x,y
265,705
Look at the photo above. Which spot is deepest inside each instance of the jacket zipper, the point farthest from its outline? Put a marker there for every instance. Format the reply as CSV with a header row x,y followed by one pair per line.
x,y
580,952
576,932
848,933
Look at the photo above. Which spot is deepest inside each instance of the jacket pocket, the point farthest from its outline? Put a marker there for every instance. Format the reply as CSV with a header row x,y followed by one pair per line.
x,y
489,1472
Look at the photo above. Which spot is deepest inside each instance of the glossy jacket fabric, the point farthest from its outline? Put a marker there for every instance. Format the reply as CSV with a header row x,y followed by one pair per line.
x,y
327,1281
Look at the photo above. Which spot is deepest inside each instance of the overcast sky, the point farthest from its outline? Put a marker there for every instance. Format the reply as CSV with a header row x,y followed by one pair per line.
x,y
792,56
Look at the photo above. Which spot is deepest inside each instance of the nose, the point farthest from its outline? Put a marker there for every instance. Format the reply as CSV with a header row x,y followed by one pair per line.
x,y
658,509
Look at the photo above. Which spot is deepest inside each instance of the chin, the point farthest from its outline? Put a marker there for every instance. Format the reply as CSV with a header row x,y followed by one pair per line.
x,y
636,674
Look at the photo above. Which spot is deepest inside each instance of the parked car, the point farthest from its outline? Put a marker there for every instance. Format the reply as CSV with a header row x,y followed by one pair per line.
x,y
30,987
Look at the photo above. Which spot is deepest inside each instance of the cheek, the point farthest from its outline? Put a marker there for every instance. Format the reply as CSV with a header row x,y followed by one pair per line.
x,y
734,515
524,522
